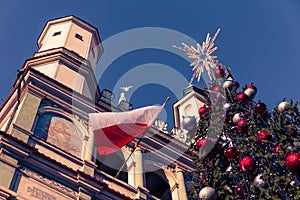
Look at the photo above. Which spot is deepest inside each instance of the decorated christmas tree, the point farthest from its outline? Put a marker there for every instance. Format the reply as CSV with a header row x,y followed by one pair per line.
x,y
241,149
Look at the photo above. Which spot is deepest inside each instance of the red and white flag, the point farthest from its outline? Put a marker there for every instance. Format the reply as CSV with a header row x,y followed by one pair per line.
x,y
112,130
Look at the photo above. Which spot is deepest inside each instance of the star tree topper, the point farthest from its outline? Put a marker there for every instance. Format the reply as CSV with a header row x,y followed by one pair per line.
x,y
203,58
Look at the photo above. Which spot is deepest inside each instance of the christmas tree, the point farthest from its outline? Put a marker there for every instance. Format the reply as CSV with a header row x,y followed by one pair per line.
x,y
241,149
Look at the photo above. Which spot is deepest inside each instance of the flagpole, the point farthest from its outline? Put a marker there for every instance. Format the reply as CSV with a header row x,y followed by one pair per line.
x,y
139,141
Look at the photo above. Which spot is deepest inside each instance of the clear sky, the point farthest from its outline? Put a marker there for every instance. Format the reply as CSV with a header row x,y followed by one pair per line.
x,y
259,41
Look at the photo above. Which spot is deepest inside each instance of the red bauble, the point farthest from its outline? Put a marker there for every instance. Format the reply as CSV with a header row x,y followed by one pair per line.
x,y
231,153
204,115
276,149
203,180
203,111
239,191
260,108
242,126
248,164
218,88
241,97
263,135
292,162
201,143
220,73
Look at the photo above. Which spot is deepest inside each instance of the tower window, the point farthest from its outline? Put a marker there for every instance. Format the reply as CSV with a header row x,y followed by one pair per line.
x,y
57,33
93,52
78,36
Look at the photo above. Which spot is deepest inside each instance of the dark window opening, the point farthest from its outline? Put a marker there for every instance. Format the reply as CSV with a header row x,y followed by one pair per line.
x,y
57,33
111,164
93,52
79,36
158,185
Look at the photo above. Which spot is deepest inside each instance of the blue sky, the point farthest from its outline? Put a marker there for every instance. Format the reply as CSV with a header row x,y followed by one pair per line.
x,y
259,41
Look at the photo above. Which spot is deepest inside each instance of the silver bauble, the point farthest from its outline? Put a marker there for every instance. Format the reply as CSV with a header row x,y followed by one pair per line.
x,y
250,93
229,168
236,118
227,106
189,123
227,84
283,106
292,183
208,193
258,182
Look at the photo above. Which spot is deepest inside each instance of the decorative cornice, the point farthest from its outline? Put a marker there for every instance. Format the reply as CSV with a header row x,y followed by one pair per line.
x,y
50,106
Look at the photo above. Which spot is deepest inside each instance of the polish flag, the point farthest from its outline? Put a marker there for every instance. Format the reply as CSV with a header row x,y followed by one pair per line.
x,y
112,130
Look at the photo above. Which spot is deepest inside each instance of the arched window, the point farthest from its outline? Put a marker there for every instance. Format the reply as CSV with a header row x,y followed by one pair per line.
x,y
158,185
60,132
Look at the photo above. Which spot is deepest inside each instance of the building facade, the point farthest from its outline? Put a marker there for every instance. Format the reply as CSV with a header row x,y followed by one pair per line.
x,y
47,149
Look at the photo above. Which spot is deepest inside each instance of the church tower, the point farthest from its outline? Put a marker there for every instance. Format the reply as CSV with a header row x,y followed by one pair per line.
x,y
47,149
